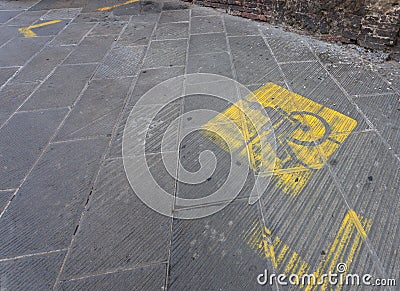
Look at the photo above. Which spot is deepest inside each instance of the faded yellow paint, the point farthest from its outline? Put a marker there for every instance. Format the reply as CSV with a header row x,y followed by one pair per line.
x,y
344,249
27,31
307,134
106,8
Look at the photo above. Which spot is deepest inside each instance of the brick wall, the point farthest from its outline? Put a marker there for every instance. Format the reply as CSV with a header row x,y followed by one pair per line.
x,y
369,23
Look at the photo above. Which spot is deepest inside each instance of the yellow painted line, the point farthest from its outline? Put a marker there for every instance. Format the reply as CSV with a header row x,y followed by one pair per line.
x,y
307,134
106,8
27,31
344,249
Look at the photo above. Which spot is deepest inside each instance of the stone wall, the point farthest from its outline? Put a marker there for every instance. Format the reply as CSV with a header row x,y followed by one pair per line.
x,y
369,23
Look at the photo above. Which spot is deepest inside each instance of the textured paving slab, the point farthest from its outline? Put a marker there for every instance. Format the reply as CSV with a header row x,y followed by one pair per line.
x,y
122,61
18,134
46,221
72,34
136,34
312,80
5,197
19,50
172,30
215,242
69,218
213,63
42,64
12,96
143,235
358,81
58,4
238,26
97,110
7,73
63,13
38,272
84,54
166,53
206,24
253,60
207,43
62,88
26,18
7,33
146,278
371,182
384,112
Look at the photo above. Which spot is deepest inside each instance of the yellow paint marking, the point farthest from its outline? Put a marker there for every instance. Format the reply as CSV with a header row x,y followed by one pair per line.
x,y
344,249
27,31
307,134
106,8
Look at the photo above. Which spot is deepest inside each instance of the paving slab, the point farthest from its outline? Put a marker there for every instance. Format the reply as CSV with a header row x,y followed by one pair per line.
x,y
174,16
42,64
371,183
57,4
166,53
18,134
253,61
19,50
137,33
190,148
47,220
122,61
146,80
38,272
6,74
5,197
97,110
26,18
214,245
7,15
143,235
359,81
238,26
72,34
62,88
174,30
17,5
384,113
289,49
53,29
213,63
63,13
206,24
311,80
157,127
7,33
83,52
12,96
207,43
70,219
151,278
112,28
149,78
104,16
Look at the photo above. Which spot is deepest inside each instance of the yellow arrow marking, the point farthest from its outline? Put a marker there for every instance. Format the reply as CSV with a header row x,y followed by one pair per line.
x,y
116,5
27,31
344,249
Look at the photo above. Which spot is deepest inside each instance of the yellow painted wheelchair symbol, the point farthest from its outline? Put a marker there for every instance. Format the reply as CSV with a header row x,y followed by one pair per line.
x,y
307,134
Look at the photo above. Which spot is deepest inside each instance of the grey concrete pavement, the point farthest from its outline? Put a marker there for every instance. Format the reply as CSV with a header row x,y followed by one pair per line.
x,y
70,74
